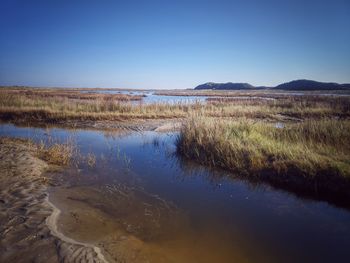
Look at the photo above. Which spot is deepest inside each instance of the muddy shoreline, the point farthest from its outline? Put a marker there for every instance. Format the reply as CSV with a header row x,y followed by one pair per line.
x,y
159,125
28,231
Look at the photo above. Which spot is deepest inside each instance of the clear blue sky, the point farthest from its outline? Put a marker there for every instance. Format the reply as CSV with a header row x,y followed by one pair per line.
x,y
172,44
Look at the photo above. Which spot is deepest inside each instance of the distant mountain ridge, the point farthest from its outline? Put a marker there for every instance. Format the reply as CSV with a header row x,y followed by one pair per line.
x,y
304,84
301,84
225,86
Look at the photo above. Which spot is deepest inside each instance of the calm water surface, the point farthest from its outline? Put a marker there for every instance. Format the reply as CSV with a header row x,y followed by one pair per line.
x,y
151,98
225,216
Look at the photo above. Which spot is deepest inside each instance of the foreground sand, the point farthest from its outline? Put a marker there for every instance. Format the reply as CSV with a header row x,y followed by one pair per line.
x,y
27,218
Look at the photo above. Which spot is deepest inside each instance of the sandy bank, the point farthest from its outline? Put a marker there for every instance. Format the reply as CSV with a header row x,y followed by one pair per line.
x,y
27,220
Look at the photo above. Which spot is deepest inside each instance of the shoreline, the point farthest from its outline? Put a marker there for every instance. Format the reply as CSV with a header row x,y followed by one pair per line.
x,y
28,219
51,222
158,125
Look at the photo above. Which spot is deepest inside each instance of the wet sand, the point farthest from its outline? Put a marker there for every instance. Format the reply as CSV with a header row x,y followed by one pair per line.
x,y
130,225
26,217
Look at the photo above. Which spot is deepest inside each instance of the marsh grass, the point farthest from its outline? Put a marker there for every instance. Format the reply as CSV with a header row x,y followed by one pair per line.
x,y
311,148
56,108
56,153
16,106
78,94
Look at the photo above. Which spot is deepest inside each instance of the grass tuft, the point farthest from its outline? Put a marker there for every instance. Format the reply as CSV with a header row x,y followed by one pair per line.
x,y
310,148
57,153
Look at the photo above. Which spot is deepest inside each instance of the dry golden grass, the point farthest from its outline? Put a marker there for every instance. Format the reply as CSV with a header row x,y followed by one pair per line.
x,y
36,107
77,94
310,148
60,154
50,151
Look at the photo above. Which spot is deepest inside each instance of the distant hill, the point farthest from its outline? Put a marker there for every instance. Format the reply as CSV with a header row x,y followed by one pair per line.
x,y
224,86
302,84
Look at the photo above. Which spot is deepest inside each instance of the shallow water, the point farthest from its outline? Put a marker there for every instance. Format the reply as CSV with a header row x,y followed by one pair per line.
x,y
195,214
151,97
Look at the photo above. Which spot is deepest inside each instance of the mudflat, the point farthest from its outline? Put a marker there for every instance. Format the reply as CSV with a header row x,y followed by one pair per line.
x,y
25,212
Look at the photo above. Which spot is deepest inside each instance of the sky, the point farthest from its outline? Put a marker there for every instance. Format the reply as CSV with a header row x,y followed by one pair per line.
x,y
172,44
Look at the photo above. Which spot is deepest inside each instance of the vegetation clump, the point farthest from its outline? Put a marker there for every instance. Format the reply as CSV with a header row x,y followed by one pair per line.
x,y
51,151
60,154
310,149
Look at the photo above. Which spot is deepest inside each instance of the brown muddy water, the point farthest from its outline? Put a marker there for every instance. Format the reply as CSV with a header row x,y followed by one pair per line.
x,y
141,203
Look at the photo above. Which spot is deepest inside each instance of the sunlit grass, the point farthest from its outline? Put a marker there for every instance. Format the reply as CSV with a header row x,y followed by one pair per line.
x,y
50,108
310,148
